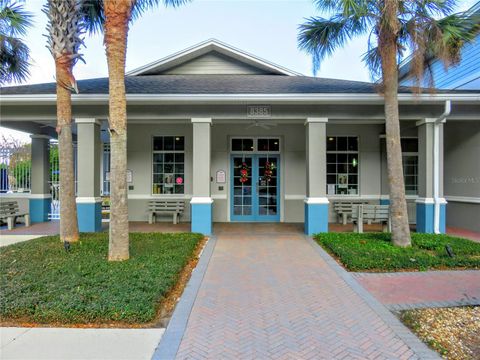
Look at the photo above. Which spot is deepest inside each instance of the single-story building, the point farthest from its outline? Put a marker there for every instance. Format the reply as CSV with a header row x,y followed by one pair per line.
x,y
242,139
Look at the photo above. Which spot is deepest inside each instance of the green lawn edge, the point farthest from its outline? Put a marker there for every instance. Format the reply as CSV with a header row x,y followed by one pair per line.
x,y
44,284
374,252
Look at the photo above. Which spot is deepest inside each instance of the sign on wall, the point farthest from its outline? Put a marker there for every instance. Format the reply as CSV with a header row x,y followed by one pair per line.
x,y
221,177
259,111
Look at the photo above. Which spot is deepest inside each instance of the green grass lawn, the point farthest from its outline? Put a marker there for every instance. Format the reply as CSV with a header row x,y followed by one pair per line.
x,y
375,252
42,283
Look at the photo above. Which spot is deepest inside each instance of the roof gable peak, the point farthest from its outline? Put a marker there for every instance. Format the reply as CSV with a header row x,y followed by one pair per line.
x,y
224,53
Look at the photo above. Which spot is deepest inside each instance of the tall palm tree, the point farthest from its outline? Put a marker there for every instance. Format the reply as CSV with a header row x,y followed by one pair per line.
x,y
113,18
64,40
394,27
14,53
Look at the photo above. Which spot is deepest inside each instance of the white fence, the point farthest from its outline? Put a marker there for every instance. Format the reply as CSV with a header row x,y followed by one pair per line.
x,y
15,169
16,172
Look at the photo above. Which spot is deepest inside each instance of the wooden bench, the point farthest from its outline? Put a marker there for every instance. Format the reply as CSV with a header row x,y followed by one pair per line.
x,y
371,214
9,212
344,209
173,207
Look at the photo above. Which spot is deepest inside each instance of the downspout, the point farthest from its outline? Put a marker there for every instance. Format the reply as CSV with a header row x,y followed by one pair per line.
x,y
436,165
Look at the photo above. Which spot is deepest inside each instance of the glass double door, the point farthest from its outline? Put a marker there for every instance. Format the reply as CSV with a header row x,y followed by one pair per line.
x,y
255,188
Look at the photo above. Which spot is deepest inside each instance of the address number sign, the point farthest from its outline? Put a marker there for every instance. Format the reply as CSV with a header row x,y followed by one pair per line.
x,y
259,111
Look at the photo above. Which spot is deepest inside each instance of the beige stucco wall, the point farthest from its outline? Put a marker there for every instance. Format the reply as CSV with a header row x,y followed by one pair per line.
x,y
462,173
292,165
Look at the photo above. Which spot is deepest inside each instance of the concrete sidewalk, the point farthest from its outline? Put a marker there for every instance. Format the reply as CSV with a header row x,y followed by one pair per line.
x,y
14,239
78,344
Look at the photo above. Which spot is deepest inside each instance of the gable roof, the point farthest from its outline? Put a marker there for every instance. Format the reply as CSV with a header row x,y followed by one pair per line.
x,y
222,51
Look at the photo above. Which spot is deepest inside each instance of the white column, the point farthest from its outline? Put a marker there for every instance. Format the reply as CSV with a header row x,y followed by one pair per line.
x,y
89,202
40,198
316,202
201,203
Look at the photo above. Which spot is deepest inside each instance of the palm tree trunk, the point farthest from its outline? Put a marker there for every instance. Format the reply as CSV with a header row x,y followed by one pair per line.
x,y
398,204
68,207
117,16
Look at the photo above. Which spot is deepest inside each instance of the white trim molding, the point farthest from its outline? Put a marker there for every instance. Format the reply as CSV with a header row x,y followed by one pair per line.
x,y
316,120
202,120
316,200
201,200
88,200
425,201
39,196
464,199
87,121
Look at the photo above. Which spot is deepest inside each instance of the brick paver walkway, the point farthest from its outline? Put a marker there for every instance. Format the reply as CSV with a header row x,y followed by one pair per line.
x,y
423,289
275,296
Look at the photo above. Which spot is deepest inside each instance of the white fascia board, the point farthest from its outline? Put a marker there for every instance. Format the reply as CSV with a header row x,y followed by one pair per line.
x,y
314,98
204,47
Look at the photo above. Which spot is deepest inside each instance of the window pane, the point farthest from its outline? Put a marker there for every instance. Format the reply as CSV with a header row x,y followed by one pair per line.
x,y
179,158
262,144
409,145
167,143
247,145
331,143
158,158
342,143
352,143
158,143
331,158
236,144
179,143
273,145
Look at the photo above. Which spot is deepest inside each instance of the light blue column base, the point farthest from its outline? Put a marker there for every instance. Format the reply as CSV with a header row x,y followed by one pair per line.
x,y
39,209
426,218
316,218
384,201
89,217
201,214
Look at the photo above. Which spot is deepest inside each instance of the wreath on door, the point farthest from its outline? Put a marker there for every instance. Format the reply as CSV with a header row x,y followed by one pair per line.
x,y
269,167
243,173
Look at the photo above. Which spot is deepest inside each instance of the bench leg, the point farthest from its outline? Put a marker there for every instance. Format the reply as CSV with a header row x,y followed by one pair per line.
x,y
385,226
175,218
11,222
27,220
150,218
360,226
344,218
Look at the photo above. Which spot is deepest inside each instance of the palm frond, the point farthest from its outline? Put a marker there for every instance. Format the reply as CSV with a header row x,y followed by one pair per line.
x,y
14,53
94,15
321,37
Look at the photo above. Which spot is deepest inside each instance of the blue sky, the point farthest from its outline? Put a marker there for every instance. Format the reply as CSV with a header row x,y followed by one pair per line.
x,y
266,28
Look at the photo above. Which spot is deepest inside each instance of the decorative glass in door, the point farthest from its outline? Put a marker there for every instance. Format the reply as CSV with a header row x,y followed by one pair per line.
x,y
242,186
267,187
255,188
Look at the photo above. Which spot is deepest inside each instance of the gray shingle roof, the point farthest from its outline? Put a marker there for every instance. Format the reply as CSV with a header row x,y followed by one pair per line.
x,y
213,84
209,84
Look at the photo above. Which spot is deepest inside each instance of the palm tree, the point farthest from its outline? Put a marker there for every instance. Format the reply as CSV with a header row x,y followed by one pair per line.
x,y
64,40
394,26
14,54
114,17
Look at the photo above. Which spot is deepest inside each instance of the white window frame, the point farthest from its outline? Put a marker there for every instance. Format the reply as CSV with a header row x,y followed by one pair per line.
x,y
255,145
403,164
336,173
153,152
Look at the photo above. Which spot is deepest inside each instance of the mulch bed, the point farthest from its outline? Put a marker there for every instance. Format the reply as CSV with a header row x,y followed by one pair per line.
x,y
453,332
